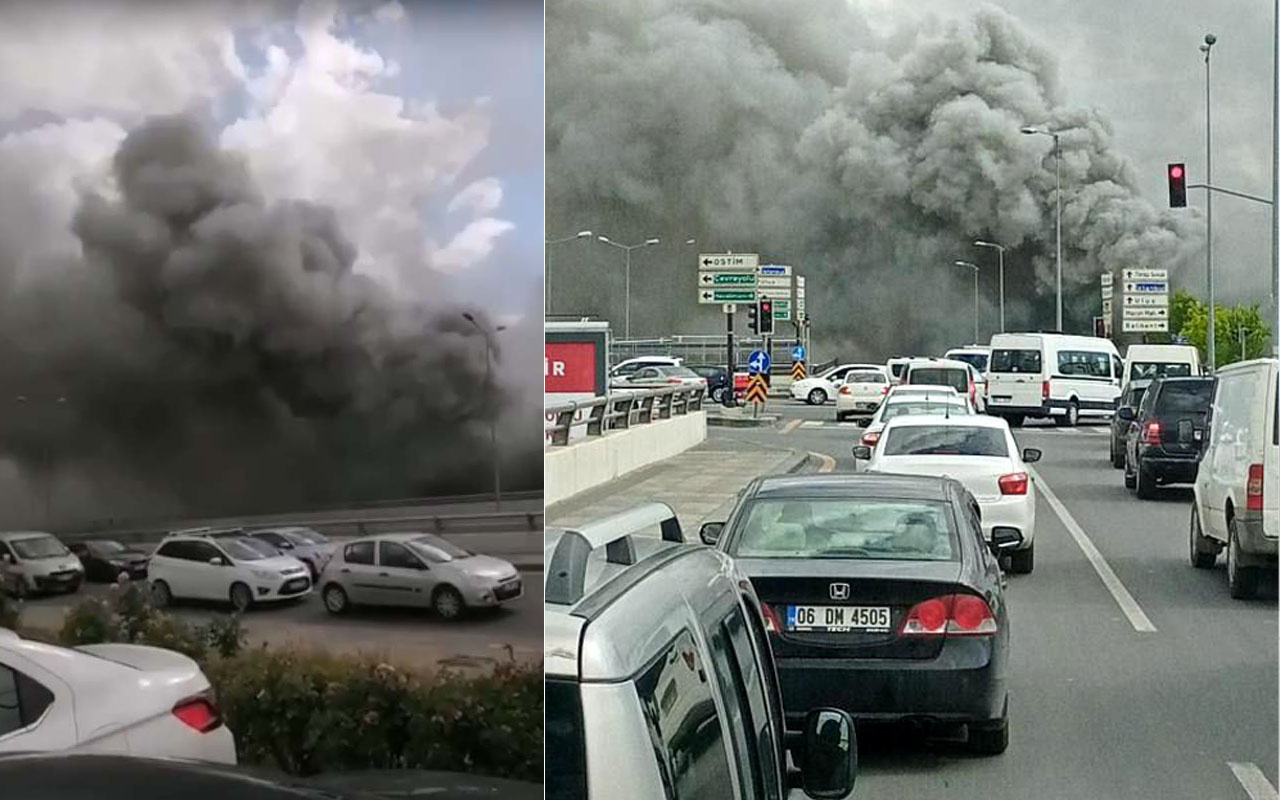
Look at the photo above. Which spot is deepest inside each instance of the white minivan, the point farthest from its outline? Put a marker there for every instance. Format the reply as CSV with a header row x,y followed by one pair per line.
x,y
1050,375
1237,507
1151,361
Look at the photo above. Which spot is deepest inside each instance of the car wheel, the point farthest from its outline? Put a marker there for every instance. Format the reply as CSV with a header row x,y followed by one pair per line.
x,y
1015,420
1117,455
1241,581
1072,416
991,740
1204,553
1021,562
241,597
161,596
1144,483
817,397
447,603
717,395
335,599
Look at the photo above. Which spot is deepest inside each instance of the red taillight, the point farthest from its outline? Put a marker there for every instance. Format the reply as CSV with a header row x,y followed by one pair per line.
x,y
1151,435
1253,489
771,622
1044,391
846,391
870,438
884,390
954,614
199,713
1014,483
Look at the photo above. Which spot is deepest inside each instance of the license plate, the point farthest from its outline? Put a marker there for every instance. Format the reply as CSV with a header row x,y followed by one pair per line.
x,y
998,399
838,619
507,591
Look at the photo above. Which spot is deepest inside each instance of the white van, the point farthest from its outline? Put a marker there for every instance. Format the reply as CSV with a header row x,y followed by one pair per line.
x,y
1237,503
1151,361
1052,375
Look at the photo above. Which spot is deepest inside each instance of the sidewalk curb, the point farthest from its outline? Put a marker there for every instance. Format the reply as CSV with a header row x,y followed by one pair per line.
x,y
801,460
740,422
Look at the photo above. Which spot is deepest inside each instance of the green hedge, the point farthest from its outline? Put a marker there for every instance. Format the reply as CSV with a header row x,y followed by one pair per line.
x,y
310,711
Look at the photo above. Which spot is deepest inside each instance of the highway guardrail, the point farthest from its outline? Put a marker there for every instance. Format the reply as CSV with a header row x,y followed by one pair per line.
x,y
620,410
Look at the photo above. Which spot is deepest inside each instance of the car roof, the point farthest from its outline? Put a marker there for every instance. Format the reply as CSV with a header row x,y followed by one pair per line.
x,y
71,665
948,363
923,388
853,484
965,421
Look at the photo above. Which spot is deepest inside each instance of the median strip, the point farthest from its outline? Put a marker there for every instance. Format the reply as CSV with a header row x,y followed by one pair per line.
x,y
1128,605
1254,782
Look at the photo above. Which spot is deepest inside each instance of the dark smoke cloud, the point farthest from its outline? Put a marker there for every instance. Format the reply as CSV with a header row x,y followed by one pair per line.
x,y
869,162
220,353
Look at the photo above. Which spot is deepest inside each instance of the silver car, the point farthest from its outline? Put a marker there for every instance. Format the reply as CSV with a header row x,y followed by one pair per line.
x,y
34,562
416,569
304,544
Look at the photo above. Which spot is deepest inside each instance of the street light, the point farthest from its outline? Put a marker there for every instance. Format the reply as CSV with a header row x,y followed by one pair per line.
x,y
1057,166
1000,249
1209,41
546,273
489,358
627,248
973,267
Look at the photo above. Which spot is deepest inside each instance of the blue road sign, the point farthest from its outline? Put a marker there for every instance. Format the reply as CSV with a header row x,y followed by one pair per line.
x,y
797,353
758,363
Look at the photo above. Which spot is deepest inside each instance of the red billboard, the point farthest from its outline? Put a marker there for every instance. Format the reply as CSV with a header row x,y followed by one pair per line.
x,y
570,367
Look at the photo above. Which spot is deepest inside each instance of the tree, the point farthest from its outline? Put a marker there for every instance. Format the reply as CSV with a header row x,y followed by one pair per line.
x,y
1240,330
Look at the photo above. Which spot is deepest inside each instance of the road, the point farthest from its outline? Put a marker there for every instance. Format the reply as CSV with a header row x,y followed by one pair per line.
x,y
1101,706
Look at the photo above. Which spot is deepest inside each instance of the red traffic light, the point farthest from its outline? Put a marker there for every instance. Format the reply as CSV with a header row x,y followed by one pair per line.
x,y
1175,171
1177,185
766,306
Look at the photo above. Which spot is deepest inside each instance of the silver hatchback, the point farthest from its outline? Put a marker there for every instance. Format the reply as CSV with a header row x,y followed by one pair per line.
x,y
418,570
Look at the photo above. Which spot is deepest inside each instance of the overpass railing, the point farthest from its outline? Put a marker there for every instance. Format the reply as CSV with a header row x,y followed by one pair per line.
x,y
621,409
700,350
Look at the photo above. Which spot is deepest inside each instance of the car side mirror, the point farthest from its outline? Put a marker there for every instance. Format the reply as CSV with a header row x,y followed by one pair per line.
x,y
216,561
1031,455
829,754
1003,539
1126,413
862,452
6,558
710,532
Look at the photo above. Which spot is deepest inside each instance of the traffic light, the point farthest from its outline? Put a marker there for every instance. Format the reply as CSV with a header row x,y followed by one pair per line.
x,y
753,318
766,316
1177,186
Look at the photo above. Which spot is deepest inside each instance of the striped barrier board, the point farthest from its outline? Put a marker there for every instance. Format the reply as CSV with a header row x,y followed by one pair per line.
x,y
756,389
797,371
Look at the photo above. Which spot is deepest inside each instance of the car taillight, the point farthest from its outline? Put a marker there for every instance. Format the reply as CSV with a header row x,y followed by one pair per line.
x,y
771,622
870,438
1253,489
199,713
1013,483
1152,434
1044,391
954,614
846,391
675,380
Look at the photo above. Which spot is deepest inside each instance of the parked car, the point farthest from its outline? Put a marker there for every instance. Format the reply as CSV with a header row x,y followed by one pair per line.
x,y
1166,434
123,698
904,404
304,544
631,365
1052,376
1237,504
660,376
416,569
1151,361
818,389
33,562
105,560
978,451
880,597
659,677
1130,398
204,565
719,384
861,393
959,375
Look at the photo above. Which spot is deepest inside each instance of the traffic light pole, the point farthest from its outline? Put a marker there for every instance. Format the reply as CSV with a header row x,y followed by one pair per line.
x,y
1208,205
730,396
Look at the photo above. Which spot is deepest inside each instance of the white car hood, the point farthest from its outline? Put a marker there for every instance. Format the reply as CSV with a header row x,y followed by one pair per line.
x,y
45,566
275,564
979,474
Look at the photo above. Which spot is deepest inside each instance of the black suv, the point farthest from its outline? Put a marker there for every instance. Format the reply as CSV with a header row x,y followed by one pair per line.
x,y
1129,399
1166,433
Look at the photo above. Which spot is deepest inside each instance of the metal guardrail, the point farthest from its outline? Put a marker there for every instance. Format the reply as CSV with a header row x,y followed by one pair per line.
x,y
622,409
700,350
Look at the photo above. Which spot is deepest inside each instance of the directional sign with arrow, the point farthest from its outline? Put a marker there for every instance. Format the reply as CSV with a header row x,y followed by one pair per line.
x,y
726,279
728,262
758,363
716,296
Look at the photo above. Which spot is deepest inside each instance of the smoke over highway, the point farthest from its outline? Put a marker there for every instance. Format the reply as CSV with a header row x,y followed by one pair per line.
x,y
869,161
210,350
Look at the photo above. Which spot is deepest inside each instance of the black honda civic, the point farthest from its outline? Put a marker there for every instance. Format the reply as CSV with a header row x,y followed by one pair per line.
x,y
881,598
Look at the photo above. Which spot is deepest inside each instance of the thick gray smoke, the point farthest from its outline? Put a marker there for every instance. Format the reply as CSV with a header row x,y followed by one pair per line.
x,y
219,353
869,163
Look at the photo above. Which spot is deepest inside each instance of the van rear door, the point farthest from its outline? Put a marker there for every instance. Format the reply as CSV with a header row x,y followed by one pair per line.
x,y
1015,373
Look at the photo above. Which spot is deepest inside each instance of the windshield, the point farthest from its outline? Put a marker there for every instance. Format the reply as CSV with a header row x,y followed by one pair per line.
x,y
304,537
907,408
856,528
977,360
1016,361
106,548
245,549
1184,397
437,549
38,547
1159,369
948,440
897,369
957,379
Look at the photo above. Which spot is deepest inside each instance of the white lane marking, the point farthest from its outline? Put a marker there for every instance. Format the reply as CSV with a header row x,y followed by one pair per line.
x,y
1254,782
792,425
812,424
1128,605
828,463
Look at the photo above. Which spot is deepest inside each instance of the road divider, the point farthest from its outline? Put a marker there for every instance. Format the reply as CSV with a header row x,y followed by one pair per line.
x,y
1137,617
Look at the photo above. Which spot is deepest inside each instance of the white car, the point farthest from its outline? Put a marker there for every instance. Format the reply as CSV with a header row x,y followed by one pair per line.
x,y
304,544
862,392
929,390
978,451
32,562
905,404
959,375
659,376
1237,492
108,698
631,365
213,566
1150,361
818,389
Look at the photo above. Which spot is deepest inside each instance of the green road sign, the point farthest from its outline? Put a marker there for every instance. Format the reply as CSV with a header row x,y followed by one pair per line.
x,y
726,295
782,310
726,279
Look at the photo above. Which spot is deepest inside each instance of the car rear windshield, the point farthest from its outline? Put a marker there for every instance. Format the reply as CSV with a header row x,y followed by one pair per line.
x,y
1016,361
957,379
866,377
858,528
949,440
977,360
923,407
565,747
38,547
1154,369
106,548
1185,397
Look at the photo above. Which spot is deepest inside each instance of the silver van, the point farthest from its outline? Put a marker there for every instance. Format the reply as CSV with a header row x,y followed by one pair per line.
x,y
33,562
659,677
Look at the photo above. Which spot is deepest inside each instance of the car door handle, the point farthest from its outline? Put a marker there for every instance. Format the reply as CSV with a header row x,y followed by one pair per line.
x,y
344,569
383,575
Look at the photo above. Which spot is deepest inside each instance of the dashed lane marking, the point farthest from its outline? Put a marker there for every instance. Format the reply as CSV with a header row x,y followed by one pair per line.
x,y
1255,783
792,425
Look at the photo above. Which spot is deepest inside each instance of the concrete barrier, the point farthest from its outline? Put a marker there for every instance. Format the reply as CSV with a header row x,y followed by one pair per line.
x,y
590,462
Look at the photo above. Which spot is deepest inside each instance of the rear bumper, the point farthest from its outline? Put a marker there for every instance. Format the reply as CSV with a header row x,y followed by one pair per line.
x,y
1004,410
1015,511
1254,543
1171,469
965,683
856,405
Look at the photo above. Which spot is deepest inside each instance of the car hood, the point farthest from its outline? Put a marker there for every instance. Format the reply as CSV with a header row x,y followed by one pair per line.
x,y
44,566
486,567
277,563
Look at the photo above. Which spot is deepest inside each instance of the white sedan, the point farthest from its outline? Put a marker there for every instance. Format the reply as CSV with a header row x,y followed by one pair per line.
x,y
907,404
820,388
978,451
862,392
108,698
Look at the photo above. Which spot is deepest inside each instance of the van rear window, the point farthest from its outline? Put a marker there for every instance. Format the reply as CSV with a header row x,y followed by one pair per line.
x,y
1016,361
1151,369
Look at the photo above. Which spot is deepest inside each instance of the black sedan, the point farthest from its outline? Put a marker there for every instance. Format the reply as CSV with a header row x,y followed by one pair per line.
x,y
1130,398
881,597
1166,434
104,560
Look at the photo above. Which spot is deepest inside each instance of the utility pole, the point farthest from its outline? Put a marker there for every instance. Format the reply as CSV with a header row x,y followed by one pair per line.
x,y
1209,41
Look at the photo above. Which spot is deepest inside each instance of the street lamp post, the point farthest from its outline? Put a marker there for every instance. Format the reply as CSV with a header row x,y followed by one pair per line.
x,y
1205,48
1000,249
1057,168
973,267
489,358
627,248
546,272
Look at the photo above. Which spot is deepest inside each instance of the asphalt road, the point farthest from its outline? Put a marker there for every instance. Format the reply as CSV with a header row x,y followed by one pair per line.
x,y
1099,707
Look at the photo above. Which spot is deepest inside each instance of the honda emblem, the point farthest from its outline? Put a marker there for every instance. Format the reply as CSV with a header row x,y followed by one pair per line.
x,y
839,591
